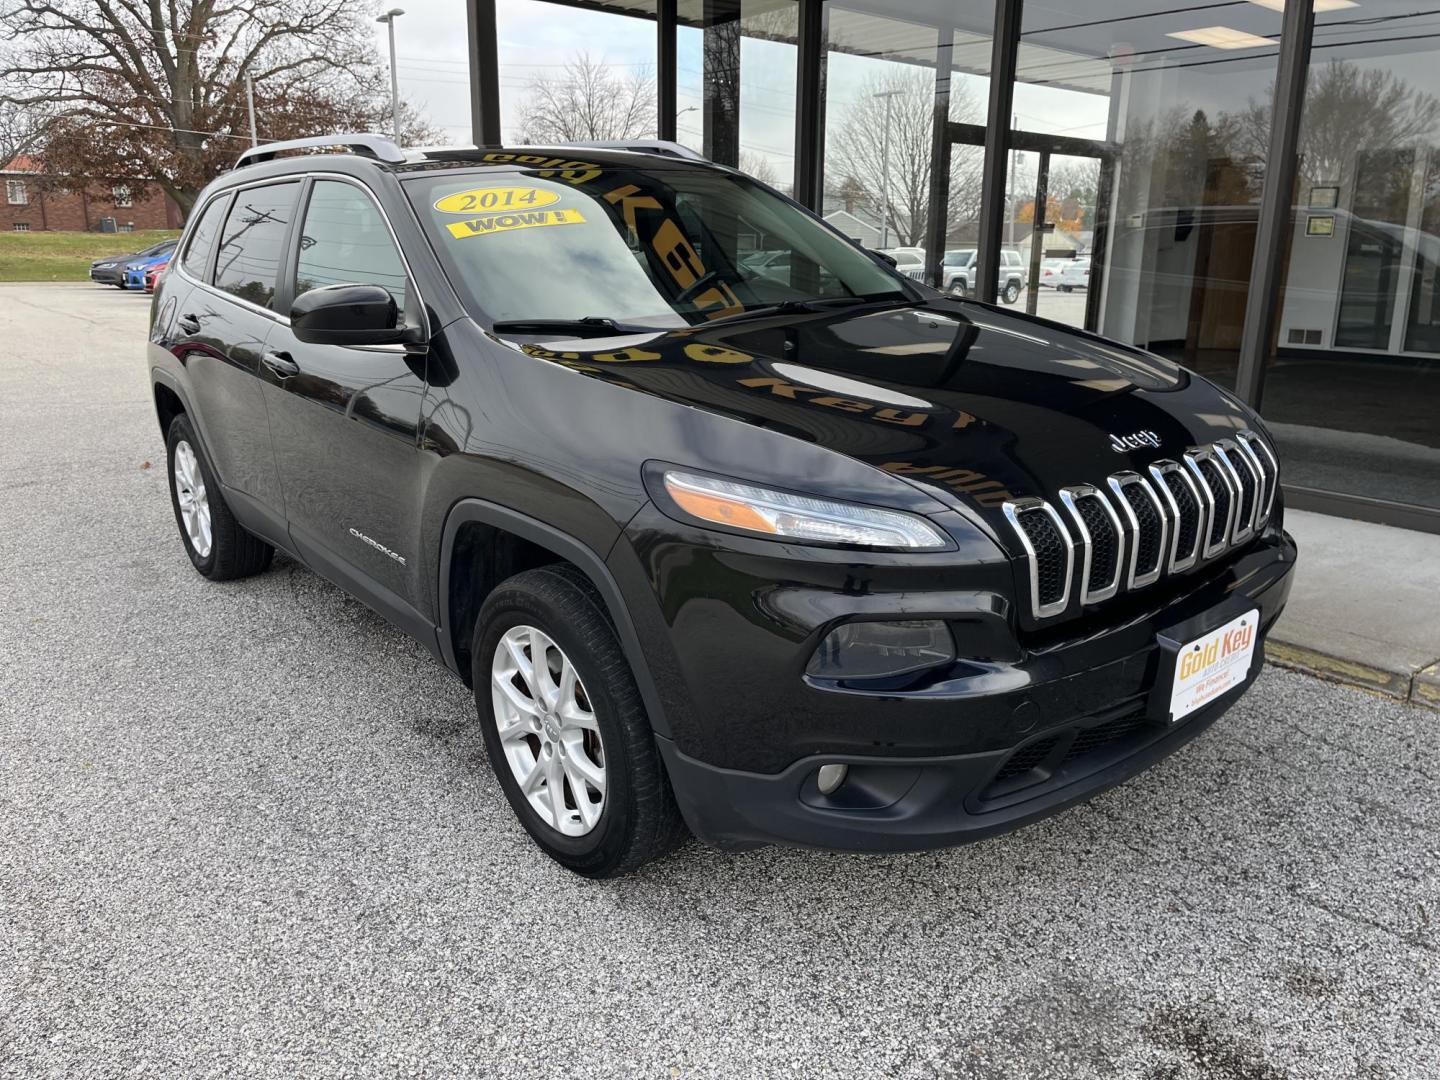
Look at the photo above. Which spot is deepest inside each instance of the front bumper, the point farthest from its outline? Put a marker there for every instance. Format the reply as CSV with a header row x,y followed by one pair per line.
x,y
953,762
110,276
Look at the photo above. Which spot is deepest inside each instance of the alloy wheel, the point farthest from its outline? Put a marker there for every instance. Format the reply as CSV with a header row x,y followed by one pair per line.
x,y
548,730
194,501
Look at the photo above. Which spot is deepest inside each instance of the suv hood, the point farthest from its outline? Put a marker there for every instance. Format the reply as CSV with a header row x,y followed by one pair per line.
x,y
974,404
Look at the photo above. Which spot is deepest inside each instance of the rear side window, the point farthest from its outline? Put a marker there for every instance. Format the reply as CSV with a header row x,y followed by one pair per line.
x,y
252,242
345,241
202,240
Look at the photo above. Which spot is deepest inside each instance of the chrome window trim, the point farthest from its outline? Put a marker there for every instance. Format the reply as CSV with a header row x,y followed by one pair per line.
x,y
300,178
1194,457
1249,440
1118,483
1158,471
1069,496
1240,531
1013,509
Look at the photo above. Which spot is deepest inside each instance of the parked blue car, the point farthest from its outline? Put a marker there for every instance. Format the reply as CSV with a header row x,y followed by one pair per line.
x,y
135,269
111,269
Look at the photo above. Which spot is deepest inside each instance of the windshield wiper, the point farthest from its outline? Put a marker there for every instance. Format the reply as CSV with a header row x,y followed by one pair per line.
x,y
589,325
819,303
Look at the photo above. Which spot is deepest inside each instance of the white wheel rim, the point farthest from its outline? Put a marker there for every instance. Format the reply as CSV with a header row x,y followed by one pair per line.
x,y
193,500
548,731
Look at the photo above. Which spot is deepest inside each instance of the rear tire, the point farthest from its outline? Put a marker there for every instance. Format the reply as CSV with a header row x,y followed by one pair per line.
x,y
218,545
576,720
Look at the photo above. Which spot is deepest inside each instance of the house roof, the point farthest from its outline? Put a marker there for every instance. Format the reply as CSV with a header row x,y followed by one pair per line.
x,y
22,164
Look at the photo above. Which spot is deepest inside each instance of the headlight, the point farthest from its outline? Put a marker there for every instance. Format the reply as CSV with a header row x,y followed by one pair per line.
x,y
784,516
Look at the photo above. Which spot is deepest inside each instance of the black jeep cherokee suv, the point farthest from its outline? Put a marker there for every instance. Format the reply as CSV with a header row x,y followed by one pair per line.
x,y
818,557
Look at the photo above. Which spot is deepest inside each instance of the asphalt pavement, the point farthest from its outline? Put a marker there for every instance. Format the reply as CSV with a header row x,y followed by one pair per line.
x,y
249,830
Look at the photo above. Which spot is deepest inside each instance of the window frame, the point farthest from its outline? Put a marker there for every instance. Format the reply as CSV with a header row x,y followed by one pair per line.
x,y
122,197
12,184
415,313
183,247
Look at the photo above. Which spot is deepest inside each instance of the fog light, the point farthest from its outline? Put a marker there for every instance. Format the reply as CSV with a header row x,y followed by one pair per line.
x,y
868,650
830,777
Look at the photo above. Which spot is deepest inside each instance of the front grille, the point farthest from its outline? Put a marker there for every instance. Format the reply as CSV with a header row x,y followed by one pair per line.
x,y
1096,738
1025,759
1185,510
1049,551
1101,539
1138,528
1142,510
1062,749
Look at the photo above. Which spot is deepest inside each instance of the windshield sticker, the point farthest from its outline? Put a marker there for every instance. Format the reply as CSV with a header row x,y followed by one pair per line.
x,y
496,199
499,223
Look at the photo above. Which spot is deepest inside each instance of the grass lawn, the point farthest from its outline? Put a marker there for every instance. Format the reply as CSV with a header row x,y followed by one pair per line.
x,y
66,256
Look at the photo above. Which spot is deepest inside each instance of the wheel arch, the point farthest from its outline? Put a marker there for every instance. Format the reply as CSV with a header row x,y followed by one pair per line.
x,y
483,543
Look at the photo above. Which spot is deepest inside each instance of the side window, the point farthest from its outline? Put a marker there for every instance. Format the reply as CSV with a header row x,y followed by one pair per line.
x,y
202,240
252,242
344,241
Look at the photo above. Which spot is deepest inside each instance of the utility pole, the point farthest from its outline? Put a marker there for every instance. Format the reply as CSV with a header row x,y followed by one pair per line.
x,y
250,102
389,19
885,172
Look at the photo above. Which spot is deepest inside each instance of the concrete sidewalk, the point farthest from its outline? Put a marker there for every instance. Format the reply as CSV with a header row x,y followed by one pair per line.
x,y
1365,607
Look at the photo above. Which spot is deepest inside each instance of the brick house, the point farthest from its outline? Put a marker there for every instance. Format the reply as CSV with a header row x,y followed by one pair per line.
x,y
31,201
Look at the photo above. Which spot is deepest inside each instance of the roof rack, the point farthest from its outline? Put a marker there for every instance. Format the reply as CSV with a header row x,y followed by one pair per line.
x,y
372,146
663,147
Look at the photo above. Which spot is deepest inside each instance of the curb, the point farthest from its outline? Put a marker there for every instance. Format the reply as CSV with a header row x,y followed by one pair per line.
x,y
1419,688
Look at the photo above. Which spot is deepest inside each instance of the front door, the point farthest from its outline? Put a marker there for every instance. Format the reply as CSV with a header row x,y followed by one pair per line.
x,y
222,332
345,420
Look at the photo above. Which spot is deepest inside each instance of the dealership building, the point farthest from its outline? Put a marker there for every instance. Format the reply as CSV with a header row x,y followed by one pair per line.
x,y
1252,185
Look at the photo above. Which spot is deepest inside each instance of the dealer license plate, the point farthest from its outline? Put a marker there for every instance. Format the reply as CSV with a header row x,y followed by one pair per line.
x,y
1208,666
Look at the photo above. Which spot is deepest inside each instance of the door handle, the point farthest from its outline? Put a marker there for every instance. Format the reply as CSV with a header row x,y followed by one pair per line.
x,y
281,364
189,323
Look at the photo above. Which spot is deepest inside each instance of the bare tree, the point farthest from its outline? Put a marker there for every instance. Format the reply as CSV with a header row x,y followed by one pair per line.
x,y
588,100
155,91
857,151
1347,109
758,166
19,128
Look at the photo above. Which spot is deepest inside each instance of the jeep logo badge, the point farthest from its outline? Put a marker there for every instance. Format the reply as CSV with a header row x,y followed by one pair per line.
x,y
1123,444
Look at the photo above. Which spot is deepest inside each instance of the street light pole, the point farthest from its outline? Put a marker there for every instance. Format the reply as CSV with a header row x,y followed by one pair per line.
x,y
250,103
389,19
885,172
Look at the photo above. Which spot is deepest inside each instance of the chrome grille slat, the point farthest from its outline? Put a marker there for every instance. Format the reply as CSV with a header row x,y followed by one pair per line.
x,y
1247,498
1186,509
1138,527
1045,598
1148,529
1094,552
1264,460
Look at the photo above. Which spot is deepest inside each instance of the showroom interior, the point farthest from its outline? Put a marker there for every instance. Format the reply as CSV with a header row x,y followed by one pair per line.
x,y
1254,185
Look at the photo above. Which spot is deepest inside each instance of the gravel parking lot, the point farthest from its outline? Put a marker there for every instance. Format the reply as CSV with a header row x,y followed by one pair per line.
x,y
249,830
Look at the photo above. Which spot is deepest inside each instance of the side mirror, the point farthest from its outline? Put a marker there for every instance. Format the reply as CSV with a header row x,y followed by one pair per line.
x,y
894,262
347,315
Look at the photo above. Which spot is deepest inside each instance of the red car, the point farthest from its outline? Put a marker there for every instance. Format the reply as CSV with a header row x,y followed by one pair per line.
x,y
152,275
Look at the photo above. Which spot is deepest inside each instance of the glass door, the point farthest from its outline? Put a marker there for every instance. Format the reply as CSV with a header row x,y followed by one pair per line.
x,y
1053,232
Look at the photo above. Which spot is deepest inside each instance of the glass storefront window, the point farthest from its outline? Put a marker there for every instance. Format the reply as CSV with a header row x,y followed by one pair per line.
x,y
1352,388
735,84
886,69
572,74
1163,112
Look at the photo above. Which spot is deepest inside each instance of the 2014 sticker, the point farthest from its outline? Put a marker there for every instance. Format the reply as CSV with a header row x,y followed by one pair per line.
x,y
498,223
496,200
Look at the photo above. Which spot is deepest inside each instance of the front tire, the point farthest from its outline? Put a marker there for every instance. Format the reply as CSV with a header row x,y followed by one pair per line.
x,y
1012,292
565,728
218,545
957,289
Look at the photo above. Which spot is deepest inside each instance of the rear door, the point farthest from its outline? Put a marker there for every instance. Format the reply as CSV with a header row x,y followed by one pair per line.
x,y
346,420
224,321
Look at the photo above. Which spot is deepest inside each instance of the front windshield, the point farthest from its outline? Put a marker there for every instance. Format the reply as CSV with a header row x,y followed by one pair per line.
x,y
645,245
